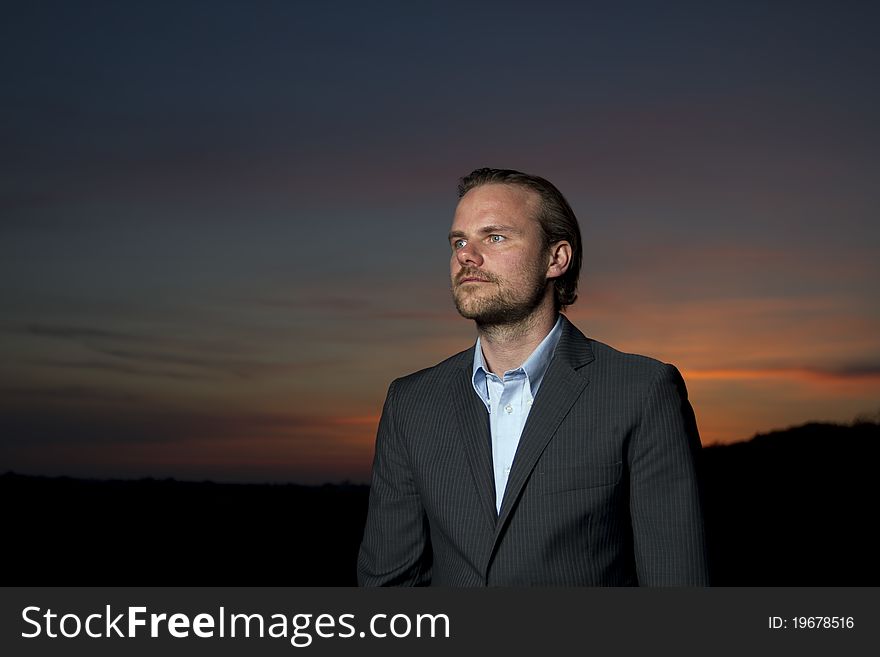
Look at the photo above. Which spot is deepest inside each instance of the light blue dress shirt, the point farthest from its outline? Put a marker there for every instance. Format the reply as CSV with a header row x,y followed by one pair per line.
x,y
509,401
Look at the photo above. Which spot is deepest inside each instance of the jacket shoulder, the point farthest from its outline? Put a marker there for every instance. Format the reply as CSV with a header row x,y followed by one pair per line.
x,y
436,375
634,369
608,354
578,350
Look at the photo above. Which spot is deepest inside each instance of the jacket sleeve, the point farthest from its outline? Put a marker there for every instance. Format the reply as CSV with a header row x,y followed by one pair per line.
x,y
665,501
395,550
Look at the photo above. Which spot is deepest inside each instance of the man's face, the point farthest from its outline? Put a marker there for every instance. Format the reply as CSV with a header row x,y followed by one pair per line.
x,y
499,262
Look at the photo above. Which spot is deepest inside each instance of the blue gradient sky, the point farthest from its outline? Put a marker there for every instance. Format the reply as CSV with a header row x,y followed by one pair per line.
x,y
222,224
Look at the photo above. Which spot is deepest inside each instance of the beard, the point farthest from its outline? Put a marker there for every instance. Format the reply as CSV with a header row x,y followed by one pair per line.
x,y
507,304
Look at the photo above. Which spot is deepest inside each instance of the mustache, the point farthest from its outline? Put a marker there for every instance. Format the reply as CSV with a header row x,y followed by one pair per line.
x,y
474,273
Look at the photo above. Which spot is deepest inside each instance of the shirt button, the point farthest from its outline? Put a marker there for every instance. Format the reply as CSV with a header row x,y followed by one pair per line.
x,y
529,402
508,408
507,470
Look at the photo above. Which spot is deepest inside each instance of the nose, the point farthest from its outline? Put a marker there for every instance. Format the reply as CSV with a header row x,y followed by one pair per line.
x,y
469,256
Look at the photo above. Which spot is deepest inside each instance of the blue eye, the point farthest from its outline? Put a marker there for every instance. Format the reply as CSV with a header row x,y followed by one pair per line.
x,y
496,238
457,244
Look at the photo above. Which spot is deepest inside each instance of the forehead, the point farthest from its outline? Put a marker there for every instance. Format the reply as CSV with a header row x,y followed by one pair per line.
x,y
496,203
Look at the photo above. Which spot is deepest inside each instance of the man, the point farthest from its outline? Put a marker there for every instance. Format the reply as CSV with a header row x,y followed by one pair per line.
x,y
538,456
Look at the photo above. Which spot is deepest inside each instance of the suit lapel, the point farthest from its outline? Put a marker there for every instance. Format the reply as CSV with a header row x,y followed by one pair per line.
x,y
473,424
562,385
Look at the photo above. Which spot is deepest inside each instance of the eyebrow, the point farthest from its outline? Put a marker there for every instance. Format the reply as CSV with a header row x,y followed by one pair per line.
x,y
486,230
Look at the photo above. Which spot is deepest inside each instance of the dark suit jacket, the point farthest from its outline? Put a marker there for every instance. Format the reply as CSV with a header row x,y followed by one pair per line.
x,y
603,490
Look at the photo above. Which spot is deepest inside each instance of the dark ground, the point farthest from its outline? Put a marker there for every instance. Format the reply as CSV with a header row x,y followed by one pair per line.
x,y
790,508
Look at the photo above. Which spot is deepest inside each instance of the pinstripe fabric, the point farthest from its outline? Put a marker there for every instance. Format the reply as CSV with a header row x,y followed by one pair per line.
x,y
603,489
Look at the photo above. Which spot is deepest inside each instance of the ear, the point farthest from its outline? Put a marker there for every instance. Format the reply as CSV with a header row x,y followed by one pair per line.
x,y
560,258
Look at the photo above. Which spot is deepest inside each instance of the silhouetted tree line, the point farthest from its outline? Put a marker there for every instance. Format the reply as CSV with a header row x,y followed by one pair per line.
x,y
793,507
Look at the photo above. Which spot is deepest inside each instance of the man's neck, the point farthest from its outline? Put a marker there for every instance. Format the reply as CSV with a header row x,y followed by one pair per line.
x,y
507,346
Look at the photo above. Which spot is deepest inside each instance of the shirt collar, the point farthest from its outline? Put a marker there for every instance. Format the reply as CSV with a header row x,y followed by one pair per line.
x,y
535,366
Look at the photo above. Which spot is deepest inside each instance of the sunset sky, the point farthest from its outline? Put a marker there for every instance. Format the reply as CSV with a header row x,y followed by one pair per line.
x,y
223,224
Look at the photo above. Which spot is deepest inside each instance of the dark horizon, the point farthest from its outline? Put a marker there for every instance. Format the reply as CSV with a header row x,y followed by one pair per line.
x,y
865,419
760,501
